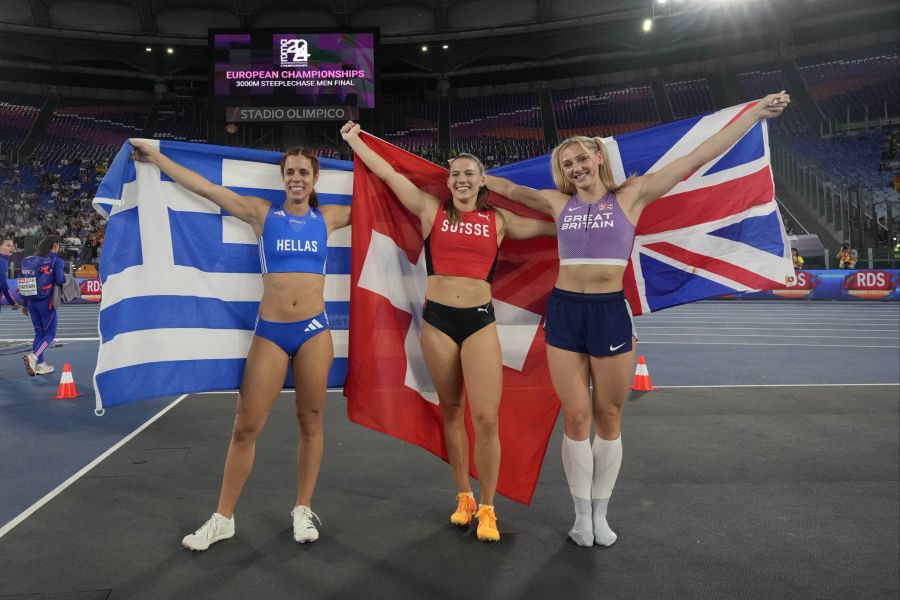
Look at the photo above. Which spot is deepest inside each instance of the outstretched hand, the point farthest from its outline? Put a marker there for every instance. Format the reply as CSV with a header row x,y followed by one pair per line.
x,y
773,105
350,130
140,150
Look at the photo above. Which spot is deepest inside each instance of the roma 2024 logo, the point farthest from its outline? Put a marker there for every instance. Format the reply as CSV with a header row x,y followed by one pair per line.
x,y
294,53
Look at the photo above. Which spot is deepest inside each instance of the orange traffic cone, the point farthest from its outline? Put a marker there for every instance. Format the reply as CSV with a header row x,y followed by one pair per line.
x,y
642,381
66,389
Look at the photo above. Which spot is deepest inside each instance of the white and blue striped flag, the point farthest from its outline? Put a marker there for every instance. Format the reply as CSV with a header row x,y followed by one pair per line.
x,y
181,278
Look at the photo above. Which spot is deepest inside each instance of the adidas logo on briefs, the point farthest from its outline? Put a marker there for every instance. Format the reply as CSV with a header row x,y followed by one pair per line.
x,y
314,325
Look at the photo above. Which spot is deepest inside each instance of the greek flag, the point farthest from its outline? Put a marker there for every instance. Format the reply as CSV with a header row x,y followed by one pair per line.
x,y
181,278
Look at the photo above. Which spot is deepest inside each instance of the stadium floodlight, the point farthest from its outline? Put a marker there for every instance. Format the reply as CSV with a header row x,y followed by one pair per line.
x,y
424,48
445,46
661,1
170,50
648,25
148,49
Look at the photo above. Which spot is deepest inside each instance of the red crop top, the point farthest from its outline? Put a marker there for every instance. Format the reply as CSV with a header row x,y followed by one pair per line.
x,y
464,249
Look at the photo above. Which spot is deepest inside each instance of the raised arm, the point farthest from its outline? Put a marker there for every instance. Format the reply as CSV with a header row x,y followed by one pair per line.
x,y
523,228
249,209
335,216
653,185
542,201
420,203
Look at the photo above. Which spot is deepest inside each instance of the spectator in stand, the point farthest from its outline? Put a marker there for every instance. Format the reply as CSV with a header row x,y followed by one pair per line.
x,y
91,248
798,260
847,256
882,230
7,247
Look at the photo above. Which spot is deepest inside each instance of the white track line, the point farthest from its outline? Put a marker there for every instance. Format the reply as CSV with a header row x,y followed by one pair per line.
x,y
778,329
764,344
59,339
768,385
61,487
775,334
705,321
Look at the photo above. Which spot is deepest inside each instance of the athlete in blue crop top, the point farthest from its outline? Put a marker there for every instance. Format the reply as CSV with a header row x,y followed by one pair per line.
x,y
588,326
291,330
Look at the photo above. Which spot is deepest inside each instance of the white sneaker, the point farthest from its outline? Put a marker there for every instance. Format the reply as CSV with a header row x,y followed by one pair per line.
x,y
30,363
43,369
304,529
218,528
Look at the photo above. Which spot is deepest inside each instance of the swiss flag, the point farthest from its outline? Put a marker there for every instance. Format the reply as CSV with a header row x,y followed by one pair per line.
x,y
388,387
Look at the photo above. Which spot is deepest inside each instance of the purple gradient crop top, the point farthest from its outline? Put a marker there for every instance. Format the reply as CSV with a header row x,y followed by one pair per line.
x,y
594,234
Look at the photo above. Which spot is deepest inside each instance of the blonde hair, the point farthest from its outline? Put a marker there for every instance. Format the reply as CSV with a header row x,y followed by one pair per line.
x,y
591,144
481,204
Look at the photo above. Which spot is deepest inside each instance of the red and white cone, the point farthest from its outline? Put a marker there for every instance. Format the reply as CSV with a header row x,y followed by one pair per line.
x,y
66,389
642,381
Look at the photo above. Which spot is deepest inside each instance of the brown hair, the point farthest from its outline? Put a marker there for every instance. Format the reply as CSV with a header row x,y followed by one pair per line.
x,y
481,204
45,246
589,143
305,152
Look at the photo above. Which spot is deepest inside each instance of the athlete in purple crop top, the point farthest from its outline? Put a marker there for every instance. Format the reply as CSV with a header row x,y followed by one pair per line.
x,y
291,329
588,325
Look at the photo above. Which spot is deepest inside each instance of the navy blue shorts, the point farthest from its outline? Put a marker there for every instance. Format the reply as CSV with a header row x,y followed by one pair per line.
x,y
290,336
595,324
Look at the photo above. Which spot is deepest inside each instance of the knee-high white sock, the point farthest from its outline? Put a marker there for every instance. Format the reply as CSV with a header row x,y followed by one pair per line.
x,y
607,456
578,463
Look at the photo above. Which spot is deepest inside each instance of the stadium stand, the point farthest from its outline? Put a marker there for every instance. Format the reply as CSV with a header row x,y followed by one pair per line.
x,y
862,81
690,96
604,110
17,114
414,127
91,129
499,129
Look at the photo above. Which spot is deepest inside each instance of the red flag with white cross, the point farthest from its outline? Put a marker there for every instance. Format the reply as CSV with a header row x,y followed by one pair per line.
x,y
388,386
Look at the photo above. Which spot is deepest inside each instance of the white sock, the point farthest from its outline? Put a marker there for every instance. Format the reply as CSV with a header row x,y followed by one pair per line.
x,y
578,464
607,461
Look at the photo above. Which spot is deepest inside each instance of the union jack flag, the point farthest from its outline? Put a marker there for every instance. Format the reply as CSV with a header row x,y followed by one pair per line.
x,y
717,232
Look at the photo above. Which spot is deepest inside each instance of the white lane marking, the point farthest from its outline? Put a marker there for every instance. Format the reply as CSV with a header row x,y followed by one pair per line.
x,y
704,321
65,484
765,344
768,385
75,339
777,329
744,335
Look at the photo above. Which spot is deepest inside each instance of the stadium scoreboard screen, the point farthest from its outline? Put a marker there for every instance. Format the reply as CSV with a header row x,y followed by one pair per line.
x,y
292,75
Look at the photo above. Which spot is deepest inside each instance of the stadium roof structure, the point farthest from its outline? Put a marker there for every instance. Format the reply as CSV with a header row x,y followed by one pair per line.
x,y
483,37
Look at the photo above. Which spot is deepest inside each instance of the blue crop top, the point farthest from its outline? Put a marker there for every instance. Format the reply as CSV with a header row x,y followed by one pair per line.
x,y
293,244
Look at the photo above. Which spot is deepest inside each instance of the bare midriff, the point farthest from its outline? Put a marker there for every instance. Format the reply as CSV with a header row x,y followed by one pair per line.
x,y
289,297
590,279
458,292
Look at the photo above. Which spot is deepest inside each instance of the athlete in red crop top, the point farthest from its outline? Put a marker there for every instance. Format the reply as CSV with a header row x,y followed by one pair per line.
x,y
588,326
459,336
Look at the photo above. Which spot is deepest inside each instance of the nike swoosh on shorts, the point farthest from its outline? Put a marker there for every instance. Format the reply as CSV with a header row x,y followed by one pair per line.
x,y
614,348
